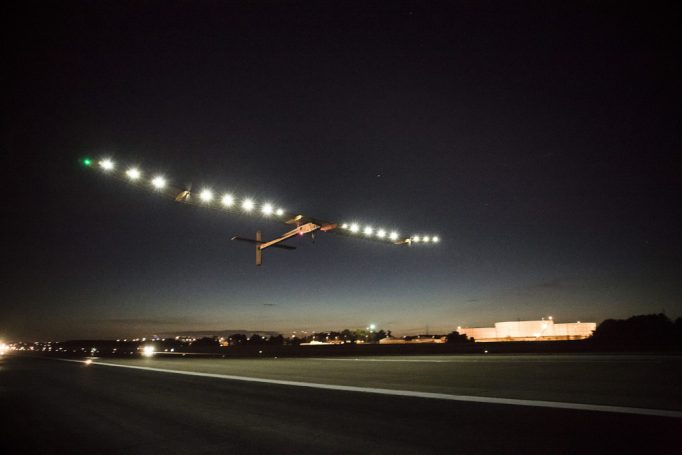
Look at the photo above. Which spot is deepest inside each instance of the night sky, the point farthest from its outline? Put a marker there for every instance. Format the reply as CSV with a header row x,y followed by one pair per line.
x,y
541,141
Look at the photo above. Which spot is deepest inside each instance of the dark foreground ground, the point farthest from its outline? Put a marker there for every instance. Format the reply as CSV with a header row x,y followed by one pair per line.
x,y
50,406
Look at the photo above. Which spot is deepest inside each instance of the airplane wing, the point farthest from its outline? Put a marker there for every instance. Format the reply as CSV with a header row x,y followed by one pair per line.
x,y
227,202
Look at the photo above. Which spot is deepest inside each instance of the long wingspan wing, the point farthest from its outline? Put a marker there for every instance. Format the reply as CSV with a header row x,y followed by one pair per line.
x,y
229,202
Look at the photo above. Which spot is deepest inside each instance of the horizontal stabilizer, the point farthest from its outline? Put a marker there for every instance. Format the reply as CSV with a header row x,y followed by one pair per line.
x,y
277,245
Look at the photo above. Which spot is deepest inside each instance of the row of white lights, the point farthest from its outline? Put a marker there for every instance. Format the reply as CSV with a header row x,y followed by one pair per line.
x,y
206,196
369,231
248,205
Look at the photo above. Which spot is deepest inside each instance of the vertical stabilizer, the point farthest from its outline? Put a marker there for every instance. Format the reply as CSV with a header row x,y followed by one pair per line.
x,y
259,253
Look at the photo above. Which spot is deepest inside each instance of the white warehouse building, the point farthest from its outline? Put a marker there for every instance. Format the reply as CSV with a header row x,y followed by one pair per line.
x,y
543,330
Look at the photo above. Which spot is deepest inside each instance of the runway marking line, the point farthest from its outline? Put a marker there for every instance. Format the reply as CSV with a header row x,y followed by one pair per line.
x,y
384,360
409,393
481,360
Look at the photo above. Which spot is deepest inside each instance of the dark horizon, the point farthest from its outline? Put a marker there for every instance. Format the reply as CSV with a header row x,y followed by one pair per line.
x,y
540,142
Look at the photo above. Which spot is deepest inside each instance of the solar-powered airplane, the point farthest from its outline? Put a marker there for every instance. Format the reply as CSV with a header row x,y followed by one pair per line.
x,y
302,224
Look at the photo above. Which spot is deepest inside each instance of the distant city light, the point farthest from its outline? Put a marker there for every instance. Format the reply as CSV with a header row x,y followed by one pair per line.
x,y
426,239
148,351
344,226
393,235
368,231
133,173
107,164
435,239
88,361
267,209
159,182
228,200
381,233
355,227
248,205
206,195
279,212
416,238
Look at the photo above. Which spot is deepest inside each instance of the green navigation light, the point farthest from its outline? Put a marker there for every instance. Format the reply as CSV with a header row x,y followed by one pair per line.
x,y
87,162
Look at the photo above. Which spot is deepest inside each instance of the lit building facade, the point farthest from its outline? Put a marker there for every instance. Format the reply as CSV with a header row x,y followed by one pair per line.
x,y
543,330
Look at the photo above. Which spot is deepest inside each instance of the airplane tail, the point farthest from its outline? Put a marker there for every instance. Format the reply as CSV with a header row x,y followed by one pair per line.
x,y
259,252
258,241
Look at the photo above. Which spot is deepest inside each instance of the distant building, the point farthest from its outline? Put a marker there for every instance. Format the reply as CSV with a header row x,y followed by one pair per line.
x,y
392,340
320,343
543,330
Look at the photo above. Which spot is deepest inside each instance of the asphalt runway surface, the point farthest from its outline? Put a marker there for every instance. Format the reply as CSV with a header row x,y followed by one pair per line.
x,y
53,406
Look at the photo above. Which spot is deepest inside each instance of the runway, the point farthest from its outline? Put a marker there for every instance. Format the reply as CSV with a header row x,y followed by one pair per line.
x,y
68,407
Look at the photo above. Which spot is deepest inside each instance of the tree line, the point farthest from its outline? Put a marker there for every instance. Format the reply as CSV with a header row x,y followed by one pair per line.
x,y
646,331
345,336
